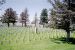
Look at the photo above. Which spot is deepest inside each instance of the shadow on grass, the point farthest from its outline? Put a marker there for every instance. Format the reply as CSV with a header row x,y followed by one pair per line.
x,y
63,40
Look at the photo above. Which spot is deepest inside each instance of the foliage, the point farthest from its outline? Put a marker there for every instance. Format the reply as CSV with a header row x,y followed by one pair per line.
x,y
9,16
44,17
61,15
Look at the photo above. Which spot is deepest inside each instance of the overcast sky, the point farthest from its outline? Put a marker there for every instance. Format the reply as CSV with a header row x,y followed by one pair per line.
x,y
33,6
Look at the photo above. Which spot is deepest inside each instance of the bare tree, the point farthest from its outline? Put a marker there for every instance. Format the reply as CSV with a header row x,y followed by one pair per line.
x,y
24,17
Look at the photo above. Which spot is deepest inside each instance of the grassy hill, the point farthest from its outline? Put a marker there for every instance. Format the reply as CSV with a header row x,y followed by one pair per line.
x,y
21,38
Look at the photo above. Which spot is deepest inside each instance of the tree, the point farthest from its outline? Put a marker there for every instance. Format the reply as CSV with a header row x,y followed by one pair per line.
x,y
2,2
44,17
9,16
24,17
52,19
62,15
71,4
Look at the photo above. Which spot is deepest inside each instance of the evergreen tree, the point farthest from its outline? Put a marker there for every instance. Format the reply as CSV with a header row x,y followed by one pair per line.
x,y
62,15
44,17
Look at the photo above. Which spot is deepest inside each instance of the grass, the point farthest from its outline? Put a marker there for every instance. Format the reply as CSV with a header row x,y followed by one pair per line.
x,y
21,38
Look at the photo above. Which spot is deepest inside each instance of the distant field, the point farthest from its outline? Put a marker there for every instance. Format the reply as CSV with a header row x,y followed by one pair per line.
x,y
21,38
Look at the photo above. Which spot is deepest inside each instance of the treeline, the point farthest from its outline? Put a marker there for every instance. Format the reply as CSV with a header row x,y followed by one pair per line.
x,y
10,16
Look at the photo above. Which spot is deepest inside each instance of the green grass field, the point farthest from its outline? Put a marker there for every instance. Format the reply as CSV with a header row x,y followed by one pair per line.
x,y
21,38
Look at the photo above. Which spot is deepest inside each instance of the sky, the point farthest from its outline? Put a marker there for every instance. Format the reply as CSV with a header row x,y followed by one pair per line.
x,y
33,6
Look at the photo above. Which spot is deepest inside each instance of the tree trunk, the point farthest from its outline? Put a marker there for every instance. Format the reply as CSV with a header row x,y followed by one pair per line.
x,y
68,36
13,24
25,24
8,24
22,24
